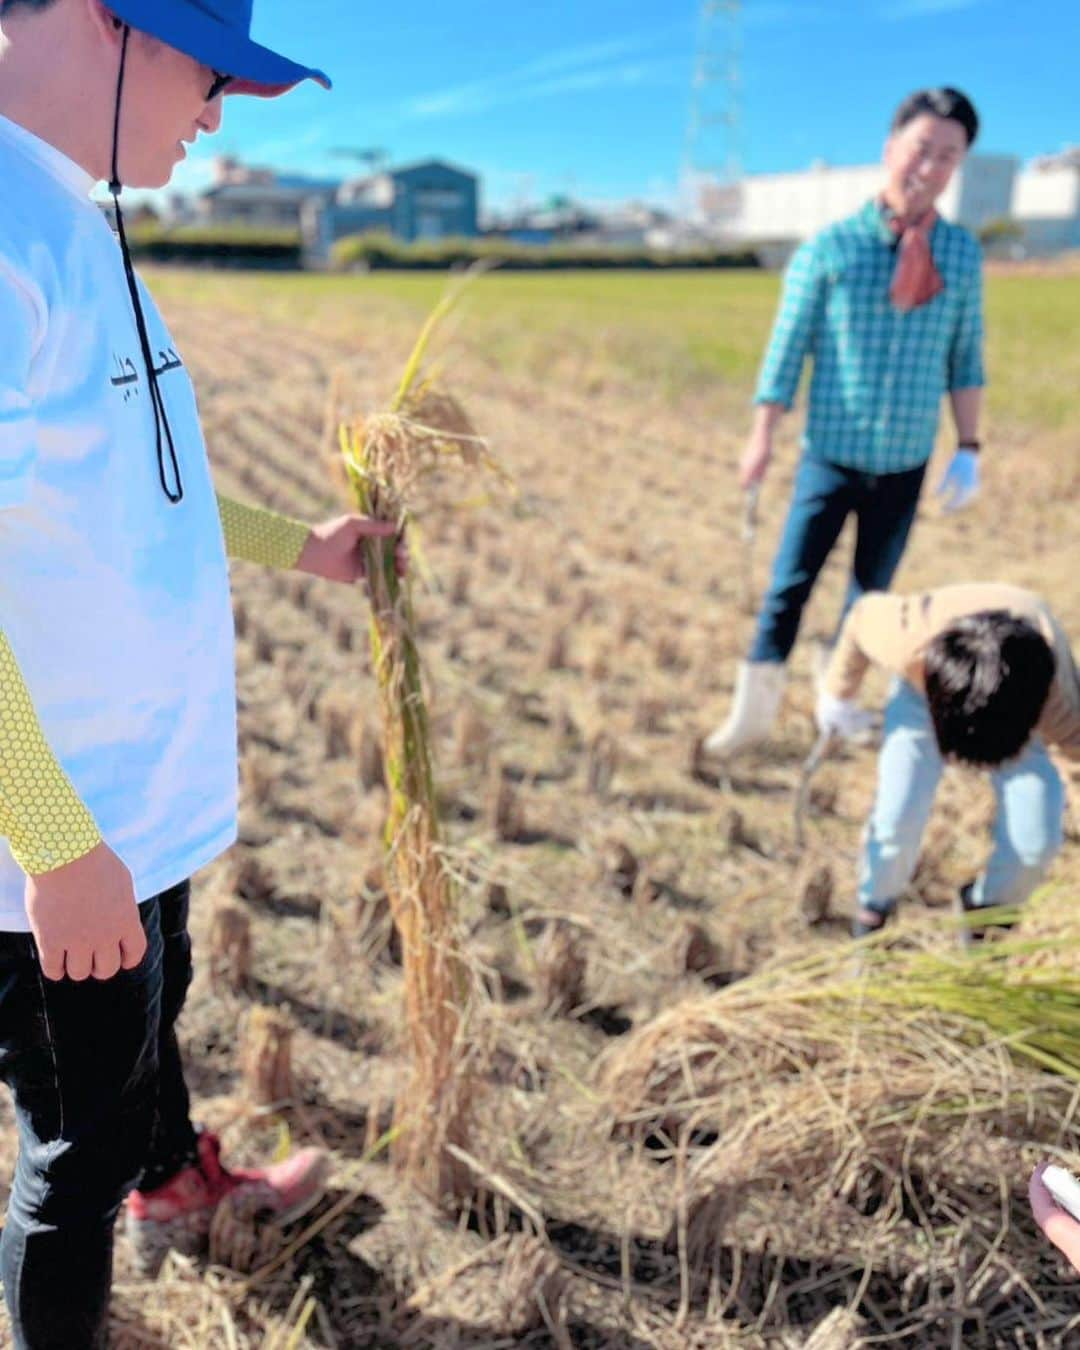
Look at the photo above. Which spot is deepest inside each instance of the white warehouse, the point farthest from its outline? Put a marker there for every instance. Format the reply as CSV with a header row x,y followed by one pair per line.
x,y
1046,203
786,208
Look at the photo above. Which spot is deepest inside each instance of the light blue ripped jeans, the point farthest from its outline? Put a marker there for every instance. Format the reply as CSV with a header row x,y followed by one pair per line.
x,y
1028,828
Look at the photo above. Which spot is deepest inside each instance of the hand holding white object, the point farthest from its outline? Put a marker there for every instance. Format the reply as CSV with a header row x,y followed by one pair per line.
x,y
844,717
1055,1221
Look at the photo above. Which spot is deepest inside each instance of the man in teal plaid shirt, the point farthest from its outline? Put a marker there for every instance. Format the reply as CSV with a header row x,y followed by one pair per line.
x,y
888,305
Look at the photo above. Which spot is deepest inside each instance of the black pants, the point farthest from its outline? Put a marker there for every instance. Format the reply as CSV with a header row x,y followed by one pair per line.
x,y
100,1104
825,495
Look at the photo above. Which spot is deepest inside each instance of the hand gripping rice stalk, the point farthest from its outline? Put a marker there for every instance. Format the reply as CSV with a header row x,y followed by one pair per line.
x,y
387,455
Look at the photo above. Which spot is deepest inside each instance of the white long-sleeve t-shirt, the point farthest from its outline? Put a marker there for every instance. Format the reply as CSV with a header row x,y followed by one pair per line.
x,y
115,601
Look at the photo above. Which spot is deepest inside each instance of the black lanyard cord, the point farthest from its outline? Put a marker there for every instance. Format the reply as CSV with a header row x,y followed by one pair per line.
x,y
162,429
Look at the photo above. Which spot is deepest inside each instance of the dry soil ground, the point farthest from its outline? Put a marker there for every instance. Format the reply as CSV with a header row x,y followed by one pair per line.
x,y
578,639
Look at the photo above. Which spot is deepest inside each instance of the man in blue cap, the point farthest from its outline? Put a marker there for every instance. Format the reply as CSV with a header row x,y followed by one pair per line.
x,y
117,682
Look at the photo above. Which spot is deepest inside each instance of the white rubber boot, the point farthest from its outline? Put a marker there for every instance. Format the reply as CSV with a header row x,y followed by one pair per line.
x,y
759,690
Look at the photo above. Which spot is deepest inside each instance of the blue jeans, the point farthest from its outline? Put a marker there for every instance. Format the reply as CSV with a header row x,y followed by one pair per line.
x,y
1028,827
825,495
99,1094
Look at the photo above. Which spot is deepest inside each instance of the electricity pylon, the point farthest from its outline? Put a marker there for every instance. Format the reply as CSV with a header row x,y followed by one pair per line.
x,y
713,167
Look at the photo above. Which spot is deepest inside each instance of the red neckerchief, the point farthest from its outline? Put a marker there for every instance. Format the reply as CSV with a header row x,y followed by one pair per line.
x,y
916,280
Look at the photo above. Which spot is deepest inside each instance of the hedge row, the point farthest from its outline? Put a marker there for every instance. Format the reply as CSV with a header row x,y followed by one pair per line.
x,y
232,246
239,246
376,251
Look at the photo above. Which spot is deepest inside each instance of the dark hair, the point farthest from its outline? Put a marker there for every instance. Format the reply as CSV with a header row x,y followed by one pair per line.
x,y
950,104
6,6
988,677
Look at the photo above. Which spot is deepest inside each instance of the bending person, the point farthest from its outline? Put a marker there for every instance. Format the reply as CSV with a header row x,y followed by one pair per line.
x,y
984,676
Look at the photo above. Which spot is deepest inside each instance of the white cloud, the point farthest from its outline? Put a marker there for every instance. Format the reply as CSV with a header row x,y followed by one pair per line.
x,y
923,9
483,96
605,77
619,63
596,53
288,146
461,98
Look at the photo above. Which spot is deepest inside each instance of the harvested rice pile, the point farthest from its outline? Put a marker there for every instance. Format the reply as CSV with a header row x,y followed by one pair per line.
x,y
862,1136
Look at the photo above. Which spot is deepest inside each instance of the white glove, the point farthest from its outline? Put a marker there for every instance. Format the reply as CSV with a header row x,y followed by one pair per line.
x,y
960,484
845,718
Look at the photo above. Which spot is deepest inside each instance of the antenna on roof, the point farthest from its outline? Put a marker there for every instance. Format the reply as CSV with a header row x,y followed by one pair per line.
x,y
373,157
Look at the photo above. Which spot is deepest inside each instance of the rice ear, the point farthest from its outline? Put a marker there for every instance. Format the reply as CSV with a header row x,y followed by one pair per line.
x,y
387,455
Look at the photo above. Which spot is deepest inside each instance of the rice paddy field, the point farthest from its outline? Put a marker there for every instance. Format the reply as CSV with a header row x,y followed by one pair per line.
x,y
692,1123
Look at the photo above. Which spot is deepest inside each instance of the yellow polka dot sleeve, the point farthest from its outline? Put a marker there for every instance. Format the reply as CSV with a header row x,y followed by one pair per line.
x,y
41,815
261,536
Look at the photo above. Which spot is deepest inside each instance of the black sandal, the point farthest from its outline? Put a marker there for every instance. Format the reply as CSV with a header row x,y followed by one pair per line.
x,y
968,934
860,928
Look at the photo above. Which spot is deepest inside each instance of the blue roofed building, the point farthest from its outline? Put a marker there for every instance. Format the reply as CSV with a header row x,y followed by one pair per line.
x,y
427,200
435,200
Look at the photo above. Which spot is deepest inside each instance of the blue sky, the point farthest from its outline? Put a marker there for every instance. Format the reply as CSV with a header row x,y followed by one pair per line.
x,y
591,97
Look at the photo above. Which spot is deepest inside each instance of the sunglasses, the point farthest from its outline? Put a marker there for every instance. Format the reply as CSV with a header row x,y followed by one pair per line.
x,y
221,83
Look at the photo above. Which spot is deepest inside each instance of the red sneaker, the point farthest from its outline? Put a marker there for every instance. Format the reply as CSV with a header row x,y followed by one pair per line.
x,y
177,1216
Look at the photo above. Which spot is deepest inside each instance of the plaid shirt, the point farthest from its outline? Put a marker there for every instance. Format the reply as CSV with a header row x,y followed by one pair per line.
x,y
879,374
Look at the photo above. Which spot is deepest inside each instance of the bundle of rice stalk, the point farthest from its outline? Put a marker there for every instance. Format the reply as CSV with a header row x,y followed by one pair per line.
x,y
803,1061
387,456
886,1123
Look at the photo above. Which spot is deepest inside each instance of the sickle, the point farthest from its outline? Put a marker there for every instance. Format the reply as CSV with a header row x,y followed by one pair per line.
x,y
823,747
749,534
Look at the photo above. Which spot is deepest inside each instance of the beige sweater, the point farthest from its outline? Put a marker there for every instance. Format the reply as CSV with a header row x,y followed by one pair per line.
x,y
893,631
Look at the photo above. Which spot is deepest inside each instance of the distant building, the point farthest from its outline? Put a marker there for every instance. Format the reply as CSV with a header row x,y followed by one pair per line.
x,y
434,200
429,200
135,217
560,220
256,197
1046,204
784,209
634,225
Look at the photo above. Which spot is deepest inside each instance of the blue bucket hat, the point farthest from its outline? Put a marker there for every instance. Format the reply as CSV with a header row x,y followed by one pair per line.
x,y
218,33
